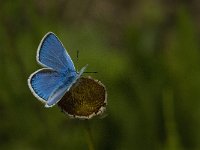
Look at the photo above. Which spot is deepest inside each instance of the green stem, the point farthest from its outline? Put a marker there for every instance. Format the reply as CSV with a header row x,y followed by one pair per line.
x,y
170,123
88,135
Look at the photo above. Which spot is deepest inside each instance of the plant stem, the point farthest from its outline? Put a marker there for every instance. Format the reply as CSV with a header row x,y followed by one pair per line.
x,y
170,123
88,135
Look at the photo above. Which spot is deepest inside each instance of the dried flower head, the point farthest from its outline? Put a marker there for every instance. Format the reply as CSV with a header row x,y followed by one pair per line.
x,y
85,99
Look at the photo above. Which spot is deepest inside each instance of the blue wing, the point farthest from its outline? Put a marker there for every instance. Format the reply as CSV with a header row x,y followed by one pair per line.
x,y
43,82
49,86
52,54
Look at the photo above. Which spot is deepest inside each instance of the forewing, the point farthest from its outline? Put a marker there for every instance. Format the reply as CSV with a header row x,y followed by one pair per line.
x,y
43,82
51,53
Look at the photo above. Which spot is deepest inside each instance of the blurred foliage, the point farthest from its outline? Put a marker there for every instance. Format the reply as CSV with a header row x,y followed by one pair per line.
x,y
145,52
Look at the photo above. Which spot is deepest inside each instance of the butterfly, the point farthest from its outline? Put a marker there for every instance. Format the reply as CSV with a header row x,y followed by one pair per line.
x,y
50,83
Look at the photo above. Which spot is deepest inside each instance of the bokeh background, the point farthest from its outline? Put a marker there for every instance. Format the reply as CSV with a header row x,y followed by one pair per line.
x,y
147,53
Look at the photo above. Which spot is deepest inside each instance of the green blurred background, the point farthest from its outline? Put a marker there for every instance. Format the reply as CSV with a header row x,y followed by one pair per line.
x,y
147,53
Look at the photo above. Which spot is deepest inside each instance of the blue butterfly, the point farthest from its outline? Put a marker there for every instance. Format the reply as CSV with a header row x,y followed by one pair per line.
x,y
50,83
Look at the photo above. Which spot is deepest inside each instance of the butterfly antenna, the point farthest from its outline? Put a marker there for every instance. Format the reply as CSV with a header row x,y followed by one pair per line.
x,y
90,72
77,55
